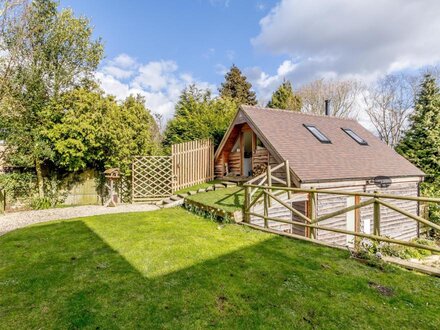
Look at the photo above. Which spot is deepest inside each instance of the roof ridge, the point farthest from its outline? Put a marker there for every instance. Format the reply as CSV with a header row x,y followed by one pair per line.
x,y
295,112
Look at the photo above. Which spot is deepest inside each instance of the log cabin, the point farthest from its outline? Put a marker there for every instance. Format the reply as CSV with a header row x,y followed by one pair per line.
x,y
323,152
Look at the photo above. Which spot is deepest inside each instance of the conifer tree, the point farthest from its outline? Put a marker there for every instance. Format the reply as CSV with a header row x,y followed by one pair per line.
x,y
421,144
284,98
237,88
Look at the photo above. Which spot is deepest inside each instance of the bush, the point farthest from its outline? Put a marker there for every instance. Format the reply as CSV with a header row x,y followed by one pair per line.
x,y
369,249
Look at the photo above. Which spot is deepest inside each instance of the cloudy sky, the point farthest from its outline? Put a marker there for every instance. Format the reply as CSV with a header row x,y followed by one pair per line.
x,y
156,48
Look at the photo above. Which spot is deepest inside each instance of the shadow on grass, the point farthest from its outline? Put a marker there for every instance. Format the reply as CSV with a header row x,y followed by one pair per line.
x,y
63,275
236,197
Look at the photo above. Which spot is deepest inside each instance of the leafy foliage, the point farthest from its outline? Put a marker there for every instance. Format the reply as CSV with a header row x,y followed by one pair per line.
x,y
90,130
421,144
237,88
199,116
52,52
285,98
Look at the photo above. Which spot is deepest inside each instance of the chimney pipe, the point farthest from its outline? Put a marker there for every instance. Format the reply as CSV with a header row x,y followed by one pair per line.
x,y
327,107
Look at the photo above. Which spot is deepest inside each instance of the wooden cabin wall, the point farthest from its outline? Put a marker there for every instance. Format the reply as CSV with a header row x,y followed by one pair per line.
x,y
260,156
234,163
219,166
393,224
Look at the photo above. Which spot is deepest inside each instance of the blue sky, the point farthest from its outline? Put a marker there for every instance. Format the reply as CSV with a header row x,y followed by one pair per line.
x,y
200,35
156,48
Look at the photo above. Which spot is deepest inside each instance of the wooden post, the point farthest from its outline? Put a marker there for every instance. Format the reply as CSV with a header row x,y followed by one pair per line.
x,y
266,205
357,222
247,201
312,212
289,193
376,216
269,181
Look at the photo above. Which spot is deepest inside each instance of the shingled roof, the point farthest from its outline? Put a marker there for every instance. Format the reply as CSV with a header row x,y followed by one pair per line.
x,y
314,161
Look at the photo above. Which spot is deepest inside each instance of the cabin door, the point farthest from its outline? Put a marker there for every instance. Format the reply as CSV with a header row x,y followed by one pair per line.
x,y
247,153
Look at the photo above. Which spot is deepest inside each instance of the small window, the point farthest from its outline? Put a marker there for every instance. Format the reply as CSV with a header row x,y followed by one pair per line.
x,y
317,133
355,137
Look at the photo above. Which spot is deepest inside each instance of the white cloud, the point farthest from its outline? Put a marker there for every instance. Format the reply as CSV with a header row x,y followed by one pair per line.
x,y
117,72
160,82
352,37
125,61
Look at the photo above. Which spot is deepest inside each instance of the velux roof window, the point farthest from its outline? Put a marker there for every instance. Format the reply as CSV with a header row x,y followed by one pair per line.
x,y
317,133
355,137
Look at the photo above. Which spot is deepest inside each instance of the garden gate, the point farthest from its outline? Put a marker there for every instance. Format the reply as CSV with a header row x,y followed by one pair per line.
x,y
157,177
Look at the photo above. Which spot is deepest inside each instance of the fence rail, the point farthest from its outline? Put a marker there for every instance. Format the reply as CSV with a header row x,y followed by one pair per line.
x,y
266,193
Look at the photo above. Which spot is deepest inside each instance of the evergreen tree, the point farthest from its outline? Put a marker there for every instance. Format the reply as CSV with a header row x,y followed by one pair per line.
x,y
421,144
237,88
284,98
198,116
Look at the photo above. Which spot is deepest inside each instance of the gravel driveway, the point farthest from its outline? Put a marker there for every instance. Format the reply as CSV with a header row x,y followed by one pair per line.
x,y
16,220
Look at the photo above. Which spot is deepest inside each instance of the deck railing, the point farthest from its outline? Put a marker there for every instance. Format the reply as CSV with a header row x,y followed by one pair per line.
x,y
264,193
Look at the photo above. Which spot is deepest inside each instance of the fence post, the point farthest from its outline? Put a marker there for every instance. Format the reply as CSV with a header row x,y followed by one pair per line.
x,y
269,181
286,164
376,216
246,204
312,212
357,222
266,211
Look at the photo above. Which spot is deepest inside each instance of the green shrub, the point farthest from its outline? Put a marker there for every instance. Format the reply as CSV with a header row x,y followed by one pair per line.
x,y
41,203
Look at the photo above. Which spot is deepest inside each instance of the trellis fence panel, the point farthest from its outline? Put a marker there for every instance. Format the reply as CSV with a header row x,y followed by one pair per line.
x,y
193,163
151,178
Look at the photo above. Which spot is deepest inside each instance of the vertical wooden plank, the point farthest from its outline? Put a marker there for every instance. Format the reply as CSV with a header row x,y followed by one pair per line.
x,y
286,164
254,148
357,222
376,216
269,180
312,212
241,154
266,208
246,204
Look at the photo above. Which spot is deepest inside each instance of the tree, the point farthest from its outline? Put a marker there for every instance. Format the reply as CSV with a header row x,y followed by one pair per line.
x,y
199,116
237,88
53,52
90,130
421,143
285,98
342,93
389,104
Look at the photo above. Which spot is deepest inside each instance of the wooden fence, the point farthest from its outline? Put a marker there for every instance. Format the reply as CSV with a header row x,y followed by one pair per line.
x,y
193,163
266,193
157,177
151,178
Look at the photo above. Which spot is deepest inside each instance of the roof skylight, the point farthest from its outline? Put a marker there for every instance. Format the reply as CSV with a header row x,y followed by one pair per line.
x,y
317,133
355,137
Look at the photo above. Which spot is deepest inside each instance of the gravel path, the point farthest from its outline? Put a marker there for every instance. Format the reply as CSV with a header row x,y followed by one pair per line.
x,y
16,220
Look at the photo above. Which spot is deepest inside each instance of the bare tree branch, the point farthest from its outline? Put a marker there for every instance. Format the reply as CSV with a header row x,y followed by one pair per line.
x,y
389,103
342,93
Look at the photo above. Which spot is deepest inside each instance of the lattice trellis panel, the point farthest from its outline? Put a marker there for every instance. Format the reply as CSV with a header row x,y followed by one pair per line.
x,y
152,178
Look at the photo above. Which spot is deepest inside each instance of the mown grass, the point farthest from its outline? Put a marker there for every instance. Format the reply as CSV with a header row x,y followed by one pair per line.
x,y
173,270
227,199
198,186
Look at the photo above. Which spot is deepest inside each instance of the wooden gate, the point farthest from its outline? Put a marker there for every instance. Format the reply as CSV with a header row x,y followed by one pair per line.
x,y
151,178
193,163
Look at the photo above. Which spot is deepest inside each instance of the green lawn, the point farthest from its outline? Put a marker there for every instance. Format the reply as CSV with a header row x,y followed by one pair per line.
x,y
228,199
198,186
170,269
